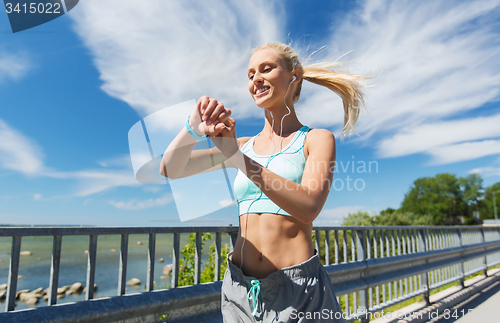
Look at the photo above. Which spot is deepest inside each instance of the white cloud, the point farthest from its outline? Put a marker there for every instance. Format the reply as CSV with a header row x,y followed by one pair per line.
x,y
153,188
24,155
120,161
465,151
139,205
93,181
486,171
13,66
37,196
432,61
429,137
168,52
19,153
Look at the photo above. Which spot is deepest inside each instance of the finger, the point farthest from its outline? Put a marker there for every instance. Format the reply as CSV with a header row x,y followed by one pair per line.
x,y
216,113
212,104
214,130
229,122
202,104
223,116
220,127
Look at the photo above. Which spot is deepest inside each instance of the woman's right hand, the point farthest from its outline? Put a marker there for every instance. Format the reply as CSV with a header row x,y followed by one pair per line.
x,y
209,116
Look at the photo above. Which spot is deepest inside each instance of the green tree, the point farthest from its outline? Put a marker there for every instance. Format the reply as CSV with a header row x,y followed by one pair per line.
x,y
389,210
486,210
439,197
187,263
208,273
358,219
473,192
186,270
401,218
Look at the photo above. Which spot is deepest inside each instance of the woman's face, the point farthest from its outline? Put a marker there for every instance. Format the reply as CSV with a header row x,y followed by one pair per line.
x,y
268,79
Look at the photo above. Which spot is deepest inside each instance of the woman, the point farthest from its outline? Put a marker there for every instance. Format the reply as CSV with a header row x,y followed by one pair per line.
x,y
284,177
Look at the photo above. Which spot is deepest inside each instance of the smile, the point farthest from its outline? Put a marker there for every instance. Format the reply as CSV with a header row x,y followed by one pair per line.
x,y
261,91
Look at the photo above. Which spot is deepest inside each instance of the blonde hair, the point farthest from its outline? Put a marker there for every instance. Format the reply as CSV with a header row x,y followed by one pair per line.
x,y
346,85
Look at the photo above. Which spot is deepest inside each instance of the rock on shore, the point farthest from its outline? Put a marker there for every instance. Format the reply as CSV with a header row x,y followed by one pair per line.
x,y
32,298
75,288
167,269
134,282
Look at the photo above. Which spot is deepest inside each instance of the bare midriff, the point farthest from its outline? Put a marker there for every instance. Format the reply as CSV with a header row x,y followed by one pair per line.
x,y
272,242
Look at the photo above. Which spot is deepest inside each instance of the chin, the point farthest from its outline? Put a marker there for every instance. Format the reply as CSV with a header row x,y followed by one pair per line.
x,y
263,104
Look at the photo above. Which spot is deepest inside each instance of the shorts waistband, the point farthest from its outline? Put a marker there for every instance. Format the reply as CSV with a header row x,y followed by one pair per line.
x,y
303,270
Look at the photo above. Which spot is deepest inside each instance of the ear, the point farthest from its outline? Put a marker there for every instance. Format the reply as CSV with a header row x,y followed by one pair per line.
x,y
297,75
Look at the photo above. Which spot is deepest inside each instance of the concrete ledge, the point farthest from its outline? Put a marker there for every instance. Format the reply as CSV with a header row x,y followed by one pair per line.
x,y
188,302
418,312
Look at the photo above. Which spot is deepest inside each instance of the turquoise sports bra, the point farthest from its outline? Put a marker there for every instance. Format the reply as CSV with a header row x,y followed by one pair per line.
x,y
288,163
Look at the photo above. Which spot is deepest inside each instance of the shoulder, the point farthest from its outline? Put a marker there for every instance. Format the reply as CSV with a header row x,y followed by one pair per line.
x,y
243,140
318,139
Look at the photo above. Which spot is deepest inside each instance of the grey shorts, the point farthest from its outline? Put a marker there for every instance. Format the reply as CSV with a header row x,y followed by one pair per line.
x,y
300,293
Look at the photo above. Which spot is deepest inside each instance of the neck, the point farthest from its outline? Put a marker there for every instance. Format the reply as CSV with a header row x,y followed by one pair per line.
x,y
289,125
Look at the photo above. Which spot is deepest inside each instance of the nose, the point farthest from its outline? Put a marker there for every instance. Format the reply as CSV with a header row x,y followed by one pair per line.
x,y
257,78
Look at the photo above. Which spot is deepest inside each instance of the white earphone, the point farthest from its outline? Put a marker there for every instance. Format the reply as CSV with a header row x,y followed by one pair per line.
x,y
281,132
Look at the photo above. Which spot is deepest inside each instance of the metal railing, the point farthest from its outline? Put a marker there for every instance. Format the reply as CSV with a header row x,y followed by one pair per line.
x,y
371,268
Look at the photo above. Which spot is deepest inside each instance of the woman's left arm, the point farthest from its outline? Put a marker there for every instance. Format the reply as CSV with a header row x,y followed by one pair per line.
x,y
303,201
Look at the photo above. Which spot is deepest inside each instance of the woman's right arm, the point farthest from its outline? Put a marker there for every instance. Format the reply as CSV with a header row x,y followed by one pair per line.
x,y
198,161
179,159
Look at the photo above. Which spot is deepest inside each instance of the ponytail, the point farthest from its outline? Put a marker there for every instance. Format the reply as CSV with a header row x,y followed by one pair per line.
x,y
346,85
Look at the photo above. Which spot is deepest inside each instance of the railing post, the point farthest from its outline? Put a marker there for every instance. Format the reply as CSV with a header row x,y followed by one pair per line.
x,y
197,259
424,278
388,253
336,250
218,238
15,254
336,246
176,260
54,269
399,235
317,245
346,296
461,270
89,293
382,255
498,235
122,271
485,261
151,262
375,252
327,247
361,255
233,236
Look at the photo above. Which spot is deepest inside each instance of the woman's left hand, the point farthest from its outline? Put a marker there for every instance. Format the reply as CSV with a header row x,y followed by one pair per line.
x,y
225,139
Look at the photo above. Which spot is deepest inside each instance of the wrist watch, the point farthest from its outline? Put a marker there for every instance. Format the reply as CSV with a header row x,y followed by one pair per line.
x,y
192,132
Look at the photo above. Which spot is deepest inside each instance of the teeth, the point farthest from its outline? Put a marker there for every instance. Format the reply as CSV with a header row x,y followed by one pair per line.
x,y
261,90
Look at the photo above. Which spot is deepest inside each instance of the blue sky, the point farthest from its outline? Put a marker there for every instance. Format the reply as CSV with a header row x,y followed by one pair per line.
x,y
71,89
